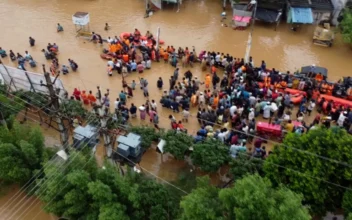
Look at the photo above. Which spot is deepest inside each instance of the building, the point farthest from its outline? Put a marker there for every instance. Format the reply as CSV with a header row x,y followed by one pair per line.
x,y
322,10
339,5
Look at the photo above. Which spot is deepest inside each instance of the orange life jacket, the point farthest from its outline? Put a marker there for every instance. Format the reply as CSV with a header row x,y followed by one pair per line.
x,y
324,87
329,89
283,84
319,77
125,58
267,81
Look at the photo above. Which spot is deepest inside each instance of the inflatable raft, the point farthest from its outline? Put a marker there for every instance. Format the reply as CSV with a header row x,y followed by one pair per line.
x,y
125,35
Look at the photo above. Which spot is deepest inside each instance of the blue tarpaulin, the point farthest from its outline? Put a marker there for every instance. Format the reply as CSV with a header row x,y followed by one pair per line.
x,y
301,15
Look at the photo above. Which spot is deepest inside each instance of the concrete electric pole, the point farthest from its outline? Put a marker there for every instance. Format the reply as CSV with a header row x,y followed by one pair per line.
x,y
55,105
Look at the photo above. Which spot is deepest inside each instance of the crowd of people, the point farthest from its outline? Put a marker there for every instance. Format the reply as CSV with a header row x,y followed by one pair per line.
x,y
230,98
234,95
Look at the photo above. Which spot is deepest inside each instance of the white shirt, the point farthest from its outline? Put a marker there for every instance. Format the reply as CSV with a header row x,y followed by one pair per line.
x,y
217,58
201,99
251,115
110,40
266,113
111,63
149,64
311,105
240,110
222,136
341,120
233,109
153,105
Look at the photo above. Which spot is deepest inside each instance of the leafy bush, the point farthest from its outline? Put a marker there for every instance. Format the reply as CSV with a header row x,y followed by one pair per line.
x,y
34,98
346,26
210,155
21,152
147,133
301,169
244,164
177,143
10,106
73,108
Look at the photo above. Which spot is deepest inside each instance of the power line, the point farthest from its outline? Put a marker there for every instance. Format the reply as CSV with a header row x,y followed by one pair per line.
x,y
53,196
165,181
47,179
299,172
35,176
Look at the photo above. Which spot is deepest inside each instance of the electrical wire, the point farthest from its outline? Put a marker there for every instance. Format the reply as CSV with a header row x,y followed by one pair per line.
x,y
53,196
299,172
157,177
275,142
46,179
22,190
35,176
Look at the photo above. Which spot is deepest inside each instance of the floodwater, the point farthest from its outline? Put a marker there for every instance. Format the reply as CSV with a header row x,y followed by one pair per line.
x,y
31,210
196,24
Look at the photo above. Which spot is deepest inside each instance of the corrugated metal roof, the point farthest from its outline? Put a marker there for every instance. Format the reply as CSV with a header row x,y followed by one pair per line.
x,y
302,15
300,3
325,5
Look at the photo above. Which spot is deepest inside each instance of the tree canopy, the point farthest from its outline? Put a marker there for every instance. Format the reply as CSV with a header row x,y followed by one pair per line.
x,y
210,155
251,197
346,26
177,143
245,164
202,203
148,135
298,164
108,194
21,152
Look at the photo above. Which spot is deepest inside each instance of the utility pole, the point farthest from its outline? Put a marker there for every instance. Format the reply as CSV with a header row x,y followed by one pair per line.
x,y
55,105
102,111
249,42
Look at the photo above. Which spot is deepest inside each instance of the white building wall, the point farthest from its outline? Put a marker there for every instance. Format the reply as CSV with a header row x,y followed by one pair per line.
x,y
338,6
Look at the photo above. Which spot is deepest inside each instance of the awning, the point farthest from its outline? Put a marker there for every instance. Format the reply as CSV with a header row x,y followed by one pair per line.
x,y
242,18
301,15
266,15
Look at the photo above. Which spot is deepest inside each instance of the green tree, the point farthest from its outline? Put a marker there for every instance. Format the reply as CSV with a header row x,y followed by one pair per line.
x,y
79,184
147,133
73,108
253,197
210,155
245,164
21,152
298,164
33,98
177,143
65,187
10,106
202,203
346,26
347,203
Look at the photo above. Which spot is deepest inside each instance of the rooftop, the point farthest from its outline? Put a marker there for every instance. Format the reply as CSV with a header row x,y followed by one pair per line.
x,y
325,5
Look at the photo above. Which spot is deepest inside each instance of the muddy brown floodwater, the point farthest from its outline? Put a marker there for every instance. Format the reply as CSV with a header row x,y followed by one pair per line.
x,y
197,24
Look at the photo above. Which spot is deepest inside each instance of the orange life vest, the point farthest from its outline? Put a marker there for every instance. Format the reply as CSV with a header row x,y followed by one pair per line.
x,y
319,77
267,81
329,89
283,84
324,87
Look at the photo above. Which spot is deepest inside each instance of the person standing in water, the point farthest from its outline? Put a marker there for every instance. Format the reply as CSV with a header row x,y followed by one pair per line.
x,y
59,28
31,41
107,26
